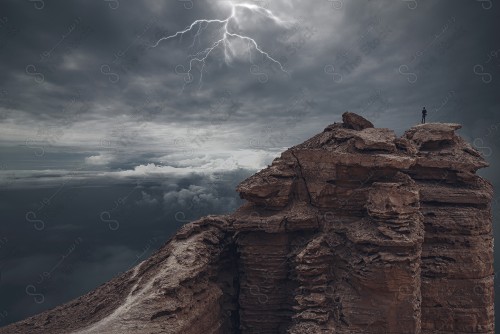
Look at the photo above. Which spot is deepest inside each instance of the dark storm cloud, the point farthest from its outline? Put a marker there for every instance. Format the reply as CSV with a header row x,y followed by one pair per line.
x,y
371,45
382,59
86,104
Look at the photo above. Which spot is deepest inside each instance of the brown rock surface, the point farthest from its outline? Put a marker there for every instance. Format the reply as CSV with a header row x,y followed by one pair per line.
x,y
354,121
352,231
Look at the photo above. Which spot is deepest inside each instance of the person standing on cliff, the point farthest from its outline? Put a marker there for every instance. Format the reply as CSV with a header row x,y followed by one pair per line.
x,y
424,113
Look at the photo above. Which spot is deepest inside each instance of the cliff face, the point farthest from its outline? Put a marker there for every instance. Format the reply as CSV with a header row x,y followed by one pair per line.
x,y
355,230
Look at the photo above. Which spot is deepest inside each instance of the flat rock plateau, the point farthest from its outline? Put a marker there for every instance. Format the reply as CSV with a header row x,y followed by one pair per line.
x,y
356,230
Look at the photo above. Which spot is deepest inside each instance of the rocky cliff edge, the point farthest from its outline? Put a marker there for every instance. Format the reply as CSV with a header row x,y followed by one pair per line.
x,y
356,230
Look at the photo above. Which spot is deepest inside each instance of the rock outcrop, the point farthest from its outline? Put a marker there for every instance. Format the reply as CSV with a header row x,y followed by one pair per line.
x,y
356,230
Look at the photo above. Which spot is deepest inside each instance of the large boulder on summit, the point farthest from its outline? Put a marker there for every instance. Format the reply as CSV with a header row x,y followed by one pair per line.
x,y
356,122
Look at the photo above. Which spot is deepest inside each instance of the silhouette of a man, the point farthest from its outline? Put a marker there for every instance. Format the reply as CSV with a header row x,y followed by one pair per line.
x,y
424,113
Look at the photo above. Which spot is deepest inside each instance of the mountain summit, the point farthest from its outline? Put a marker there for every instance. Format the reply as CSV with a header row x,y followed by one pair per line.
x,y
356,230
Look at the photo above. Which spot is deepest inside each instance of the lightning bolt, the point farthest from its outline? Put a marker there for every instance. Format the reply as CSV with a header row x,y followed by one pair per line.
x,y
200,25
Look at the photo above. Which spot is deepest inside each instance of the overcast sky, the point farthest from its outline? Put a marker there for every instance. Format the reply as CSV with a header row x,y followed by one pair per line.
x,y
81,83
92,97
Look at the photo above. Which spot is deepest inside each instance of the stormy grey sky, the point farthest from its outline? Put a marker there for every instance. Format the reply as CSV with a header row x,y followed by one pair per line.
x,y
98,127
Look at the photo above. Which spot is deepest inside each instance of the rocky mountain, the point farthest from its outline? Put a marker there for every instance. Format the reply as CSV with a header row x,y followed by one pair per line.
x,y
356,230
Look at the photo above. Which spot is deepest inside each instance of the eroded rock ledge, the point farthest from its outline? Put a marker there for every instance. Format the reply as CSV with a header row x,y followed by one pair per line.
x,y
355,230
